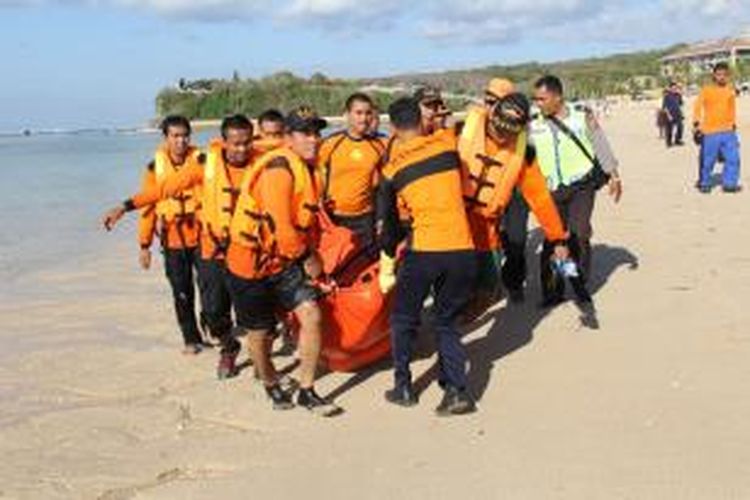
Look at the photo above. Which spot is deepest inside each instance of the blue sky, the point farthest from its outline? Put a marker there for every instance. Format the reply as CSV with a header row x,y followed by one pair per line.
x,y
79,63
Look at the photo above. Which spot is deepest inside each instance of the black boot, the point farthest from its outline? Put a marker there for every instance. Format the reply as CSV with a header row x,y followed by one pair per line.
x,y
455,402
402,396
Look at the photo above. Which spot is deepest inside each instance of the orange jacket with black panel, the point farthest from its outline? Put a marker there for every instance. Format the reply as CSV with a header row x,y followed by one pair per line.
x,y
424,173
175,219
275,221
491,173
348,169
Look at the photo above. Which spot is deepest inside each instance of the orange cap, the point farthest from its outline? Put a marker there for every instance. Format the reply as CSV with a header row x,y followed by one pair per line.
x,y
500,87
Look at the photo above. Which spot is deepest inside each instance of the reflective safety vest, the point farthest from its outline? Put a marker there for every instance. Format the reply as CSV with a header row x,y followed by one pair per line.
x,y
184,205
487,182
560,158
253,227
218,196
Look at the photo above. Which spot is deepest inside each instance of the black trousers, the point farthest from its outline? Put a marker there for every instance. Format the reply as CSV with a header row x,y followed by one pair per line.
x,y
450,277
514,233
180,266
217,303
576,206
674,132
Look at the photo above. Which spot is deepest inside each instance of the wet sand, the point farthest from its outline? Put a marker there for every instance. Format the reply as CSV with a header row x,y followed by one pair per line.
x,y
97,402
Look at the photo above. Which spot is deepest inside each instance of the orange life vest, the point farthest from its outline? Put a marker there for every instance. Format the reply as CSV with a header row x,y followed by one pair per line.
x,y
253,227
218,195
185,205
487,183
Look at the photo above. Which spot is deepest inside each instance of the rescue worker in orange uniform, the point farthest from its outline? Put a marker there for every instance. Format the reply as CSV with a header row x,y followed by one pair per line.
x,y
270,126
218,180
432,107
175,222
272,259
349,164
497,160
424,174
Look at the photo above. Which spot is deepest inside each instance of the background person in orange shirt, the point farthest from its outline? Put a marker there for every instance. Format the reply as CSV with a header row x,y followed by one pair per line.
x,y
270,125
349,162
715,124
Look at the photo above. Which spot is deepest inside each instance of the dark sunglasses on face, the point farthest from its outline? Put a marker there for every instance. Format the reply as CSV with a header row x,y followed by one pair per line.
x,y
433,105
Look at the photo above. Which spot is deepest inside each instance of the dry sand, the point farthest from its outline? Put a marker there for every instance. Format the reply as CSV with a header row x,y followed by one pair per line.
x,y
656,404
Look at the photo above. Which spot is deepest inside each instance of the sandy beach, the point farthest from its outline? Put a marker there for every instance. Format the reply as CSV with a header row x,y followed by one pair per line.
x,y
98,403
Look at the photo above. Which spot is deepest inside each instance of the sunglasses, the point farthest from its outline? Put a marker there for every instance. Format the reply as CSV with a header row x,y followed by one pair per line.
x,y
435,105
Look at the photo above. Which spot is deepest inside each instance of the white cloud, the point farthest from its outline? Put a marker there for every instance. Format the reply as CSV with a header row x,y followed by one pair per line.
x,y
468,22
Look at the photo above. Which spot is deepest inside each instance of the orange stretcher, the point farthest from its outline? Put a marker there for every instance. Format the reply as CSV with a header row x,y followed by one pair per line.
x,y
355,312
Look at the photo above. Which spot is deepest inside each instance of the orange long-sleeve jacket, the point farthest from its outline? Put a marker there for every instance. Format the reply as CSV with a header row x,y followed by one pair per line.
x,y
188,177
715,109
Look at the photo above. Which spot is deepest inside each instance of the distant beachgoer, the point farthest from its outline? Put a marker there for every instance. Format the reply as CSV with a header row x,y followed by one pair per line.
x,y
576,160
175,221
674,118
424,175
218,181
349,164
715,129
661,119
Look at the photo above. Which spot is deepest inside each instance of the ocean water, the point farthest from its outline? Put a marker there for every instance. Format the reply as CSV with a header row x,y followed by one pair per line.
x,y
53,192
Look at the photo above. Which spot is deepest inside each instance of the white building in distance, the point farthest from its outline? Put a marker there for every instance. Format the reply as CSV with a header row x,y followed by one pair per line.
x,y
700,57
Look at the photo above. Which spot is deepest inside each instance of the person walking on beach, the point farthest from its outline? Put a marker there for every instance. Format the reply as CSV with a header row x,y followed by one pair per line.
x,y
423,175
349,164
272,260
175,221
576,160
218,179
672,107
715,125
497,161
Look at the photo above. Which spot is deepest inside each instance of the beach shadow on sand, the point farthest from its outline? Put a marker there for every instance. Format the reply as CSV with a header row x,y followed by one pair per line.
x,y
512,325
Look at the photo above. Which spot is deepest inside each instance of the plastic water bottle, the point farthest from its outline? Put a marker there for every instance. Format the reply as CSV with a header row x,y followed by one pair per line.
x,y
566,268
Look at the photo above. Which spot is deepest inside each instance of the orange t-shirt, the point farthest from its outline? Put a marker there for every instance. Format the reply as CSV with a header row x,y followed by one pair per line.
x,y
426,174
349,186
715,109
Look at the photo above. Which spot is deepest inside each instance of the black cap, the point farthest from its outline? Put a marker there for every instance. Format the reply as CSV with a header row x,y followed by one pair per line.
x,y
304,119
510,114
427,93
